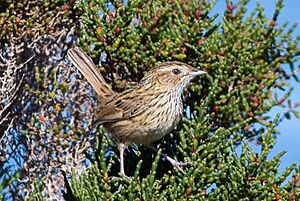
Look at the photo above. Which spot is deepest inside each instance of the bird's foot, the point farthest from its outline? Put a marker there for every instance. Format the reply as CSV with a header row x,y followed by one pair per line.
x,y
129,179
179,165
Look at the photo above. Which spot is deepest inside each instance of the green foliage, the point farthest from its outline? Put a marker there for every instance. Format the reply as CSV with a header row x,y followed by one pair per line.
x,y
249,58
218,173
244,56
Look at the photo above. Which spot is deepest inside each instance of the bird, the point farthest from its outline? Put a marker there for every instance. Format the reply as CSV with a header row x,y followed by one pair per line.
x,y
143,113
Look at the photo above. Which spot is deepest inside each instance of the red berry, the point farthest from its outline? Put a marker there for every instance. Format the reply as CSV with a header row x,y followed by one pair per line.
x,y
229,7
18,20
183,49
66,7
197,29
101,39
254,101
200,41
277,196
216,108
145,24
42,118
118,30
28,32
197,14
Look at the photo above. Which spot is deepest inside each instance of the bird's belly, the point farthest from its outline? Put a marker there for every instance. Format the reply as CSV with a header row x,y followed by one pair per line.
x,y
143,129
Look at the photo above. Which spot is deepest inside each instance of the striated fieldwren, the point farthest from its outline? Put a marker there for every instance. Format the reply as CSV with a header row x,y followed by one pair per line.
x,y
144,113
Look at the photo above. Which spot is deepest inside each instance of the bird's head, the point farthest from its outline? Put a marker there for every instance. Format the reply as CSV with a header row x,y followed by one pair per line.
x,y
173,75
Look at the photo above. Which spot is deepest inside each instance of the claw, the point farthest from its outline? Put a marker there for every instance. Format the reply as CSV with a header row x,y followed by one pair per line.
x,y
129,179
178,165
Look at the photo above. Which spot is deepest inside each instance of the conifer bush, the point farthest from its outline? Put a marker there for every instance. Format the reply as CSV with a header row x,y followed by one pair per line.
x,y
226,131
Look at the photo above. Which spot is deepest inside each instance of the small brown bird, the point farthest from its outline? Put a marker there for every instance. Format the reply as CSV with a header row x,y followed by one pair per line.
x,y
144,113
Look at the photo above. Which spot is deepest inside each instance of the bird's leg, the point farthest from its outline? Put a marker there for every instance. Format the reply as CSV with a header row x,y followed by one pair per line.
x,y
122,147
178,165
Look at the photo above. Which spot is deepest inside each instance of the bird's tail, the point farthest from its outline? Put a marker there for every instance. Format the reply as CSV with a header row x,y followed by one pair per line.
x,y
86,66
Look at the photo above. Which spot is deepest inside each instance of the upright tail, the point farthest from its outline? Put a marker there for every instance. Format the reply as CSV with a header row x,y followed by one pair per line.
x,y
86,66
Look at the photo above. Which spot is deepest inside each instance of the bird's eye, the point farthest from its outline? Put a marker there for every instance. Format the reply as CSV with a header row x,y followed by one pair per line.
x,y
176,71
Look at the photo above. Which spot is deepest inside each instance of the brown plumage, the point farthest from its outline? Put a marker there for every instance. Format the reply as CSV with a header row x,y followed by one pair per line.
x,y
144,113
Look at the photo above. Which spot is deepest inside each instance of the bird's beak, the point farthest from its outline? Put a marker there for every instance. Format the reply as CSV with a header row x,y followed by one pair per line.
x,y
197,72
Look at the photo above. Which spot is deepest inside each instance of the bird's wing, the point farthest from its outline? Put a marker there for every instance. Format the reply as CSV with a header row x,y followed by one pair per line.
x,y
124,106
